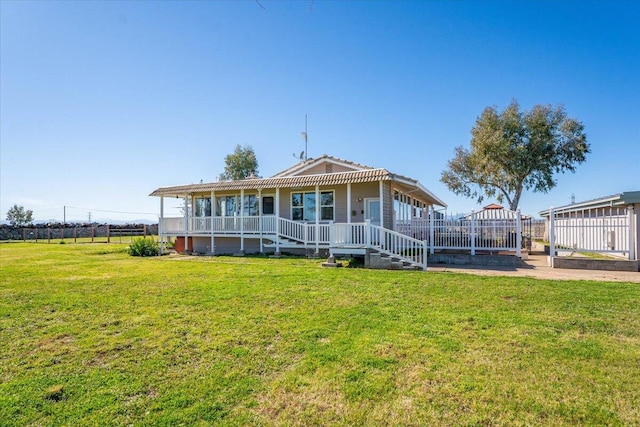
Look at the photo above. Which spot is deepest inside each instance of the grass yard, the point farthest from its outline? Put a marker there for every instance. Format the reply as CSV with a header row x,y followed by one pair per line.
x,y
90,336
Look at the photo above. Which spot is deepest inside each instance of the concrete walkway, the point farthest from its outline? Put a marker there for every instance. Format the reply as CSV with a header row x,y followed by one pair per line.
x,y
536,267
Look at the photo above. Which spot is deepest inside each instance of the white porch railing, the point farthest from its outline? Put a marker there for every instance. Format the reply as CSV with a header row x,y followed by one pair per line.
x,y
219,225
292,230
172,225
349,235
418,228
304,232
468,233
359,235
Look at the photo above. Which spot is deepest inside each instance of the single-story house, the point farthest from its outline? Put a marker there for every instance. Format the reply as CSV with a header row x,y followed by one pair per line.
x,y
608,224
318,205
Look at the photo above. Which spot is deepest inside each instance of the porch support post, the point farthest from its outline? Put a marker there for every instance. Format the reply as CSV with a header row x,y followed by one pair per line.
x,y
277,210
348,203
186,223
405,211
213,224
632,233
160,230
260,217
432,229
552,237
381,203
317,221
519,233
242,221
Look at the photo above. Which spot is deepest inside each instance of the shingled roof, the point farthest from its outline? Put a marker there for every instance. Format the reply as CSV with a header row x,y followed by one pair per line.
x,y
290,178
371,175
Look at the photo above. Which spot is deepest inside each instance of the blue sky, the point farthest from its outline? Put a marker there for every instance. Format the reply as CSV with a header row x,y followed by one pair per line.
x,y
103,102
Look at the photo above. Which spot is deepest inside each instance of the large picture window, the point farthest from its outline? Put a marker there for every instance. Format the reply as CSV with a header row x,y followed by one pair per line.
x,y
230,205
226,206
303,206
250,205
203,206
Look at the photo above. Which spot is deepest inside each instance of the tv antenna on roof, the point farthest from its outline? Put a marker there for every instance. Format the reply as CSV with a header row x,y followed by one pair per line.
x,y
303,154
305,135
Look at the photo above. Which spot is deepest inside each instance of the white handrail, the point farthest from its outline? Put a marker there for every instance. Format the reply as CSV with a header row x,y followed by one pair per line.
x,y
293,230
399,245
392,243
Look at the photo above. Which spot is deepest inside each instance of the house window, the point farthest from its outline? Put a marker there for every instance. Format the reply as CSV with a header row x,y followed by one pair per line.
x,y
203,206
230,205
250,206
268,205
226,206
303,206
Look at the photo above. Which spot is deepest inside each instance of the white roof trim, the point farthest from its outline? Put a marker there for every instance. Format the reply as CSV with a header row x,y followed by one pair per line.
x,y
308,164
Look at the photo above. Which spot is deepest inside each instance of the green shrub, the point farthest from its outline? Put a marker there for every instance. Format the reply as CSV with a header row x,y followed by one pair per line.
x,y
144,247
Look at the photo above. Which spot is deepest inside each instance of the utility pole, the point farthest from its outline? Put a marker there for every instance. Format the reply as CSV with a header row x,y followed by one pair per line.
x,y
89,217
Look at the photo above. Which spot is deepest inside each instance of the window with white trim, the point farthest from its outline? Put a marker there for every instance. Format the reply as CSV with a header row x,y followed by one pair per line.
x,y
303,206
250,205
230,205
203,206
268,205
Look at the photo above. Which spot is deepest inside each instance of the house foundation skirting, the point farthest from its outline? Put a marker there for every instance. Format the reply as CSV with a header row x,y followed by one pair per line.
x,y
595,264
467,259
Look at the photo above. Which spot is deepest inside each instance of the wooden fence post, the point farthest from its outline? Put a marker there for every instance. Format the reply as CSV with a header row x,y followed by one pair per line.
x,y
75,234
108,235
93,229
24,235
48,235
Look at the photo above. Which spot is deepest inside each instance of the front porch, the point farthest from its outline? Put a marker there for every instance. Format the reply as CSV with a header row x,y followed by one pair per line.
x,y
410,240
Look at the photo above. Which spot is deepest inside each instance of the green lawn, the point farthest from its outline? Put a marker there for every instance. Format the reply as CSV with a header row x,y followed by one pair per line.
x,y
90,336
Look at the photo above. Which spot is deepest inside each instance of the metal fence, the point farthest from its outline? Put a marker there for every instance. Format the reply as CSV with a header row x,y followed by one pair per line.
x,y
606,230
539,230
94,233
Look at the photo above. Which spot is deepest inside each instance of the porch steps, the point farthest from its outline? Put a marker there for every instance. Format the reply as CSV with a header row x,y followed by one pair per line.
x,y
383,261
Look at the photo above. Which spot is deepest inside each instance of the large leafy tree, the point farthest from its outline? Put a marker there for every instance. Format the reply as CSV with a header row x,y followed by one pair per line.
x,y
18,217
240,164
512,151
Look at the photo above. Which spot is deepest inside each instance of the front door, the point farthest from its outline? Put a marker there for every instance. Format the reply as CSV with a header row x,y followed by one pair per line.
x,y
372,211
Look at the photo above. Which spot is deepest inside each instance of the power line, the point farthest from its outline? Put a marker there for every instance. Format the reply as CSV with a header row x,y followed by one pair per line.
x,y
107,211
